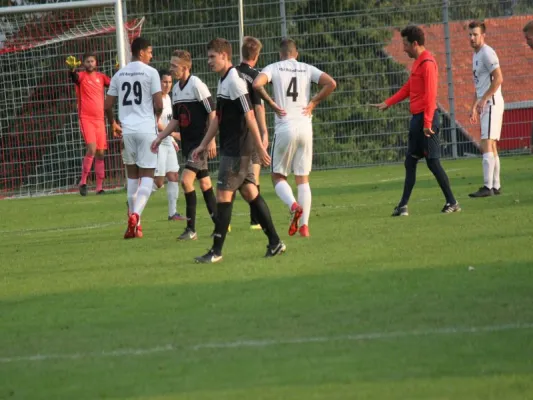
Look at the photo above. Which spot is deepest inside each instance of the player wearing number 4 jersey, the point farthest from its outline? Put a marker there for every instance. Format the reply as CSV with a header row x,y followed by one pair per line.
x,y
140,103
292,146
488,105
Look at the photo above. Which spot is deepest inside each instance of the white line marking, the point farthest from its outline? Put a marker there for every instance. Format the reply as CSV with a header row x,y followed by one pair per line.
x,y
240,344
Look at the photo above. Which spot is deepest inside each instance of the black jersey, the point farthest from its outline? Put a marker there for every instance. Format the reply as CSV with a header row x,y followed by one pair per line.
x,y
191,104
249,74
233,101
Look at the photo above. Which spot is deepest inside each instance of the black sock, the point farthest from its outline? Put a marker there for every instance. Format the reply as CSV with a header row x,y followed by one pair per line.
x,y
410,179
253,218
264,218
211,203
435,167
190,210
223,219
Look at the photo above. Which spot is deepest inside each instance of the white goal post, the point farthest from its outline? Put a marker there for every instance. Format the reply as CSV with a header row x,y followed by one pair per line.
x,y
41,147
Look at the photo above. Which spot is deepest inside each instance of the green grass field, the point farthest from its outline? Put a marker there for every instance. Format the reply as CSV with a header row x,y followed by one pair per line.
x,y
368,307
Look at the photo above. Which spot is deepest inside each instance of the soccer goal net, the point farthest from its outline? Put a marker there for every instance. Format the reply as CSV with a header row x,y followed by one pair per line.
x,y
41,148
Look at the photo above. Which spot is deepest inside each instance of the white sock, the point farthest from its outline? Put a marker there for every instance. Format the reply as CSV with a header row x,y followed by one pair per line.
x,y
173,190
496,180
154,187
488,169
304,199
284,192
143,194
133,185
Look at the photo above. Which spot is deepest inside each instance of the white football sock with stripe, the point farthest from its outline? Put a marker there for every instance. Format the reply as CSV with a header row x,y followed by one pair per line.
x,y
488,169
133,186
173,189
496,181
304,199
284,192
143,194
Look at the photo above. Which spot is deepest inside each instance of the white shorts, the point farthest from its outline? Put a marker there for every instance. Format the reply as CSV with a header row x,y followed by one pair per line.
x,y
137,150
167,160
292,149
491,120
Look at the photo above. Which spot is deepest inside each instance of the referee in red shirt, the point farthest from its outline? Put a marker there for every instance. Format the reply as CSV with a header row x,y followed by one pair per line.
x,y
421,88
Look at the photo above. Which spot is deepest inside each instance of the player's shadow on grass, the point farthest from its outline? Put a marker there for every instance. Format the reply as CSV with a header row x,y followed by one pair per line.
x,y
242,306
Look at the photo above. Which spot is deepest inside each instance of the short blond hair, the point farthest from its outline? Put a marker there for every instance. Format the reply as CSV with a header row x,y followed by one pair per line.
x,y
184,56
529,27
251,47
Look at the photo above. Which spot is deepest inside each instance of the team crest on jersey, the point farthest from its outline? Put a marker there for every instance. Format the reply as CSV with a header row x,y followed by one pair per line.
x,y
184,116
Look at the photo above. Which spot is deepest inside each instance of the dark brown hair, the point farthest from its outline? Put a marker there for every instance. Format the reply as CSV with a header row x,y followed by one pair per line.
x,y
413,34
477,24
220,45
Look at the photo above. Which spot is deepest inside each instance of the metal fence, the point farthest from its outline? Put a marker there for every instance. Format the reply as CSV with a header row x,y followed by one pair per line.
x,y
358,43
355,41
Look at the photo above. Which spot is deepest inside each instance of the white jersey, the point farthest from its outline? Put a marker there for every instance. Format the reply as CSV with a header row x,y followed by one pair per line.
x,y
166,117
484,62
291,81
134,85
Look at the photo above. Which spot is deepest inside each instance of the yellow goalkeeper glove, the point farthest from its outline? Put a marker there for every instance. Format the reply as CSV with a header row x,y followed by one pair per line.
x,y
72,62
117,65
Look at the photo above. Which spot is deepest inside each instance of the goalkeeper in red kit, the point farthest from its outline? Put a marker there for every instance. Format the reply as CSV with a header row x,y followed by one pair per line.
x,y
90,93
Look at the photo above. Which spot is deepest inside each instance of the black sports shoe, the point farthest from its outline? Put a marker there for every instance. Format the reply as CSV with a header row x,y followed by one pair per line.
x,y
482,192
188,234
497,192
400,211
83,190
209,258
451,208
276,250
101,192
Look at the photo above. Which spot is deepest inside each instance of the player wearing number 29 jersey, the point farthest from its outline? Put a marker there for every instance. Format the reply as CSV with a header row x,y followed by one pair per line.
x,y
137,88
134,86
292,147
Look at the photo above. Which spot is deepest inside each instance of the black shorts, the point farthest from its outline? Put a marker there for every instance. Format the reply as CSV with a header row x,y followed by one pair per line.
x,y
198,165
419,145
234,172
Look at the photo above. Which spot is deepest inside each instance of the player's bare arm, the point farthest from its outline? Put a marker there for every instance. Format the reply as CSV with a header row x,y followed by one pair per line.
x,y
108,110
251,123
158,104
208,138
259,87
473,110
170,128
212,146
261,122
327,86
497,80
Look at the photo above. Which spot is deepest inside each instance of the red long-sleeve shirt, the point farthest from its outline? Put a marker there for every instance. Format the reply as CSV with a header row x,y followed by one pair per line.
x,y
421,88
